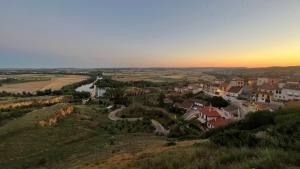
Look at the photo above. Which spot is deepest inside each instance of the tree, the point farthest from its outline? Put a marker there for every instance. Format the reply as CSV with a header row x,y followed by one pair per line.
x,y
218,102
161,99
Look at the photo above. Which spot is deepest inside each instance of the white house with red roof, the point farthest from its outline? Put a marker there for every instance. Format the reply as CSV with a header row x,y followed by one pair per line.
x,y
207,113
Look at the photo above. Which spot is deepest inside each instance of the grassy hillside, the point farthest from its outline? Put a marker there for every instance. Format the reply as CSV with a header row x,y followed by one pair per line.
x,y
85,137
263,140
30,120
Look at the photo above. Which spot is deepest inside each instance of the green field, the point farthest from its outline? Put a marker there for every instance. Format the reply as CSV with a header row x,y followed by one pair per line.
x,y
14,79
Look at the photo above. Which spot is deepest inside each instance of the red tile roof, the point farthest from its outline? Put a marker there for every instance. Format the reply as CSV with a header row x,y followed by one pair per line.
x,y
235,89
209,111
219,122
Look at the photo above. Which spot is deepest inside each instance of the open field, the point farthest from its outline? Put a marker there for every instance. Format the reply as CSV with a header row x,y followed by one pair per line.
x,y
154,75
35,82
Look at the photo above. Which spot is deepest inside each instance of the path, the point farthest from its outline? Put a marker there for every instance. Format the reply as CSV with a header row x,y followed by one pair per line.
x,y
159,129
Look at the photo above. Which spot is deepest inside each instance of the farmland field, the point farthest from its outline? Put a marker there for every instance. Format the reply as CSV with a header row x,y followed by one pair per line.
x,y
34,82
154,76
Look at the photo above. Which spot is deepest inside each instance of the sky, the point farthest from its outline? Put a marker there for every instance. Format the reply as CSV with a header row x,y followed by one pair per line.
x,y
149,33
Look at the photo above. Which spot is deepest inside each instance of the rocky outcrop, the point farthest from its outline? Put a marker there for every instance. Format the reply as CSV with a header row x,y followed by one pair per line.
x,y
61,113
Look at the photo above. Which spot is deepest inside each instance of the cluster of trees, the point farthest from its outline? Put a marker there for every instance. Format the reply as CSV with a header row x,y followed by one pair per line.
x,y
125,126
108,82
183,129
117,95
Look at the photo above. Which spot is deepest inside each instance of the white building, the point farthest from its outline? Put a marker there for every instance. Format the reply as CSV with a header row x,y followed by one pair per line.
x,y
288,92
262,80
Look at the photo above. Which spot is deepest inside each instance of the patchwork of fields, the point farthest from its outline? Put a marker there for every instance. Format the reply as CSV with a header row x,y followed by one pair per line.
x,y
35,82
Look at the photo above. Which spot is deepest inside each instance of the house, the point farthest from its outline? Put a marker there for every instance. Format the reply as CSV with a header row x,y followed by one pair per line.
x,y
207,113
270,81
218,122
262,80
265,93
290,91
234,91
230,112
236,82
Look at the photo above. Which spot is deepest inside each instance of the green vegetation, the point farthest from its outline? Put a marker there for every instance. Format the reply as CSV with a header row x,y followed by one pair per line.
x,y
12,113
137,111
210,156
280,129
263,140
29,120
183,129
20,79
108,82
80,136
124,126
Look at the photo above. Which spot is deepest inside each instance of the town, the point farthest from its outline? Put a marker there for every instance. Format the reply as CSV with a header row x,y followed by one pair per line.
x,y
238,97
149,84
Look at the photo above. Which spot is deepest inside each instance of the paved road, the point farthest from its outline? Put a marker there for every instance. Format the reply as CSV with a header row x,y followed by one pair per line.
x,y
113,116
190,115
159,129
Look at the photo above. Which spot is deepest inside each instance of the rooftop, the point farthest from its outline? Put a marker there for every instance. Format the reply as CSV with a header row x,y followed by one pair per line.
x,y
209,111
219,122
235,89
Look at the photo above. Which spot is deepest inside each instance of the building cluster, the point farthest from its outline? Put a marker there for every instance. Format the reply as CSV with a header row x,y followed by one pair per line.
x,y
244,95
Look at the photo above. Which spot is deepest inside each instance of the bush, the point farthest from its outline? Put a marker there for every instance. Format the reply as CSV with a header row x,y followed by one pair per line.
x,y
171,143
234,138
218,102
256,120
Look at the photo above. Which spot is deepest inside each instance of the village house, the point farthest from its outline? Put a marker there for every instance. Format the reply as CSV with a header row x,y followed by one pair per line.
x,y
290,91
236,82
234,91
230,112
261,80
207,113
265,80
265,93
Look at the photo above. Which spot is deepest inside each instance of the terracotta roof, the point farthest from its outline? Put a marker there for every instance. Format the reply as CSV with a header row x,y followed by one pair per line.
x,y
235,89
219,122
209,111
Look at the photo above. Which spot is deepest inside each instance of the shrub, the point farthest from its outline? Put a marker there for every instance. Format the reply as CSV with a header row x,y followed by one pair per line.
x,y
234,138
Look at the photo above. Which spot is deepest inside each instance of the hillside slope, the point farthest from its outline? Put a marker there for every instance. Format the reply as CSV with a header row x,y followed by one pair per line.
x,y
263,140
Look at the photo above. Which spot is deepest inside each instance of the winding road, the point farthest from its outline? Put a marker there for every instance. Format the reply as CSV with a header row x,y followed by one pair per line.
x,y
159,129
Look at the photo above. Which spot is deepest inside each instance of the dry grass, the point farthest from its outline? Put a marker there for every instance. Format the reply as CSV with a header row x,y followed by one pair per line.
x,y
123,159
55,83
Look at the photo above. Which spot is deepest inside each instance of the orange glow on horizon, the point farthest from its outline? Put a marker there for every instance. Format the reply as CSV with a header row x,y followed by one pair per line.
x,y
277,55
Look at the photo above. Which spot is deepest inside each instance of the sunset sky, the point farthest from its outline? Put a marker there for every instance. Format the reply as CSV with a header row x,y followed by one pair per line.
x,y
149,33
